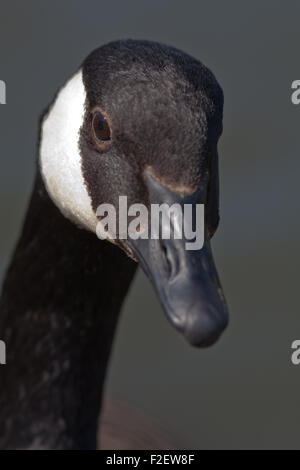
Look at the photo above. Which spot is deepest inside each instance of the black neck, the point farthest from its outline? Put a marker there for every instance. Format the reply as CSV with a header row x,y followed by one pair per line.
x,y
58,313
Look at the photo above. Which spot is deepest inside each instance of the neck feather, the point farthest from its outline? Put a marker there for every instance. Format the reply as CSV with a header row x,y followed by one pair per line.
x,y
58,313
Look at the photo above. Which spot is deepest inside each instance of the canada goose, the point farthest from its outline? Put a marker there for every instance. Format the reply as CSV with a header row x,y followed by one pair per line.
x,y
138,119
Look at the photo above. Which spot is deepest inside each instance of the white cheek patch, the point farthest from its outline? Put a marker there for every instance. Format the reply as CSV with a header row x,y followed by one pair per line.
x,y
60,157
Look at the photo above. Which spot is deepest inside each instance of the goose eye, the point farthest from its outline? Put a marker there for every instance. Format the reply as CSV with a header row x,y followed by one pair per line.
x,y
100,127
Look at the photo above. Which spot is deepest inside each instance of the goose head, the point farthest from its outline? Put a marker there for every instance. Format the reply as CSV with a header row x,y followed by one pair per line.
x,y
142,120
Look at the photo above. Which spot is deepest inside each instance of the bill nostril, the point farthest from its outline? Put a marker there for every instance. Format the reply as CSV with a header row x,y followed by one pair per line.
x,y
170,260
166,257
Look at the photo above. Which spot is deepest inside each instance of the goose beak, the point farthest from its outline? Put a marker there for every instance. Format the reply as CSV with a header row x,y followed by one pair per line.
x,y
186,281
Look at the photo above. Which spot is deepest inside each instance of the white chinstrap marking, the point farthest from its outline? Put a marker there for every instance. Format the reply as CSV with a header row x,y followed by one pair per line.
x,y
60,157
166,222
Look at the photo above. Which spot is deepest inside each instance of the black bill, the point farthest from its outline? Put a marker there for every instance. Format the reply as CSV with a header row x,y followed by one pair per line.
x,y
186,281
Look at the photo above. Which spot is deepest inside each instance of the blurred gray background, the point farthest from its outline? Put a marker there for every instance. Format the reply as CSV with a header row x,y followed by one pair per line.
x,y
244,391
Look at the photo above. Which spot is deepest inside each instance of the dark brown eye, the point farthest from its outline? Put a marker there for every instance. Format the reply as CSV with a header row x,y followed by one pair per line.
x,y
100,127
